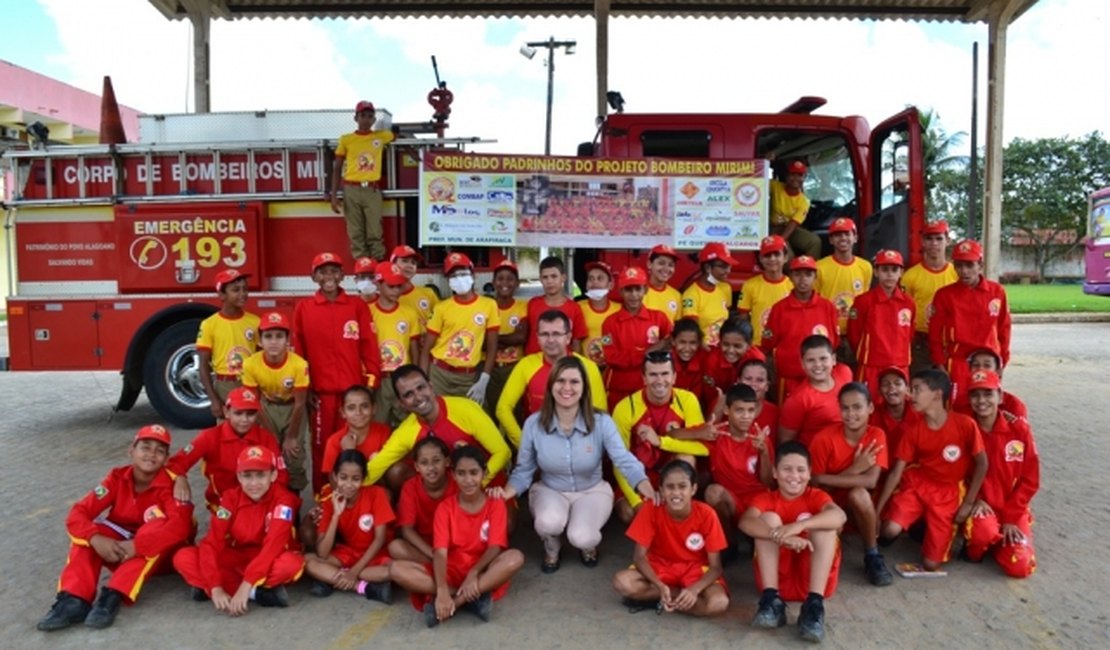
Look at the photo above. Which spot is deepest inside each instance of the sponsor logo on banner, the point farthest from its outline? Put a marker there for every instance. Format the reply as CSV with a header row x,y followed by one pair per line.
x,y
747,194
443,209
500,213
500,196
718,231
502,181
471,212
689,230
470,181
472,196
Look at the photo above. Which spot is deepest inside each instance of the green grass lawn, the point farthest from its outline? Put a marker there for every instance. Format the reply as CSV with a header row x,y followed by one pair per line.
x,y
1041,298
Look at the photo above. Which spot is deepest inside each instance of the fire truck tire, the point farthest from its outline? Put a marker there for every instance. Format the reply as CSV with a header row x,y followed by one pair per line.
x,y
171,376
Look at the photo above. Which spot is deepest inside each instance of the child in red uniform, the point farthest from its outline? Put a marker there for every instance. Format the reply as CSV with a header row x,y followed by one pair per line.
x,y
1001,520
281,376
893,415
690,363
129,524
847,461
814,405
335,334
250,551
880,324
472,563
225,340
797,545
803,313
968,315
740,458
931,463
553,278
677,558
733,350
460,344
359,431
420,496
219,449
756,374
629,334
987,360
352,535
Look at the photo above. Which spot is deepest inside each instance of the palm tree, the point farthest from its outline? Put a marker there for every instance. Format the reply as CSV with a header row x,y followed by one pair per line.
x,y
937,145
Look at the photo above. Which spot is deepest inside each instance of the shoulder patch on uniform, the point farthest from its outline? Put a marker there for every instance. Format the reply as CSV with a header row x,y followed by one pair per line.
x,y
223,513
687,303
188,448
100,491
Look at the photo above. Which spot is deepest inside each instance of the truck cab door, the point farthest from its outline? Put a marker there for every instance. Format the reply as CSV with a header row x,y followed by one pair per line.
x,y
897,173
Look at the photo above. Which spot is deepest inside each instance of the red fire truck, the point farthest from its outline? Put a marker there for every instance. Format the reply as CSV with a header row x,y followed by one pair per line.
x,y
116,246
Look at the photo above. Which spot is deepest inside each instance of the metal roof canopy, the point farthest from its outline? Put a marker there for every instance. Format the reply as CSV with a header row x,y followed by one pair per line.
x,y
998,14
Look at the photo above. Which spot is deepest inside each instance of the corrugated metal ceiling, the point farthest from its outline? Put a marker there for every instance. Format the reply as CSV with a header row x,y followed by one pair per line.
x,y
943,10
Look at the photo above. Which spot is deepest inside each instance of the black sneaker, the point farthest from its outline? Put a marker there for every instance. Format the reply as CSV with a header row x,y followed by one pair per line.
x,y
380,591
811,621
103,613
66,610
636,606
320,589
483,607
276,597
430,618
876,570
198,595
771,613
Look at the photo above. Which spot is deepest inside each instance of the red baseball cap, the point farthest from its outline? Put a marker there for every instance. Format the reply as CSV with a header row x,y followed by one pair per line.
x,y
889,257
662,249
155,432
803,262
600,265
323,259
714,251
390,274
797,167
938,227
456,260
894,370
227,276
242,399
257,459
842,224
274,321
633,276
507,264
967,250
981,379
365,265
364,106
984,350
403,251
771,244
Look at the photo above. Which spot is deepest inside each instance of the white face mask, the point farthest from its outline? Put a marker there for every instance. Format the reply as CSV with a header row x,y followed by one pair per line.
x,y
711,279
461,283
366,287
597,294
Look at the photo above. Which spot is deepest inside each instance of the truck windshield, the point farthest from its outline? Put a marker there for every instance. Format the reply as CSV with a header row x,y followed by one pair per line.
x,y
830,183
676,144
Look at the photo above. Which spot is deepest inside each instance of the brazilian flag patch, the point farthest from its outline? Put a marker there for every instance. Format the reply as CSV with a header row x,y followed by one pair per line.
x,y
223,513
100,491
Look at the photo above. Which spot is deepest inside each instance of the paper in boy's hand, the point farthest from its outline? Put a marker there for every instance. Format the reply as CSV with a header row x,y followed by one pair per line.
x,y
917,570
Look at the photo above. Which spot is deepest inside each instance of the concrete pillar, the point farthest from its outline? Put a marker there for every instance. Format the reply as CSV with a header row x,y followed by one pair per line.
x,y
601,17
1000,14
201,19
